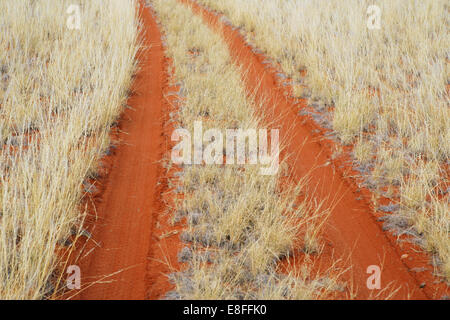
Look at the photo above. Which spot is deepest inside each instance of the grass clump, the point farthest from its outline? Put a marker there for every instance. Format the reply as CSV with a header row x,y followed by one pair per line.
x,y
61,90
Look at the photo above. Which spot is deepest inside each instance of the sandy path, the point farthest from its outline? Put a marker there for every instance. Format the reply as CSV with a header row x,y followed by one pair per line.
x,y
130,203
352,230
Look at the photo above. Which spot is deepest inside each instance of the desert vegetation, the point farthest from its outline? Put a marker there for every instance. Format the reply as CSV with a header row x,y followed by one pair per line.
x,y
62,87
357,91
384,91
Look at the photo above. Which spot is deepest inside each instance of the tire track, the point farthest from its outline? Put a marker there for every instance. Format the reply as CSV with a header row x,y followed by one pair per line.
x,y
130,206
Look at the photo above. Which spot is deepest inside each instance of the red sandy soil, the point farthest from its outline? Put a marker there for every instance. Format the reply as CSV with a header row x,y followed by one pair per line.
x,y
133,245
352,231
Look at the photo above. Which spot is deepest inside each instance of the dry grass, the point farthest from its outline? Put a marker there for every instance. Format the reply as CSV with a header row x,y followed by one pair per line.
x,y
389,89
60,92
240,223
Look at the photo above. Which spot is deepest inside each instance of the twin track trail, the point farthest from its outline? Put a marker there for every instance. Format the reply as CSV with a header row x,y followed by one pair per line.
x,y
136,247
130,205
352,230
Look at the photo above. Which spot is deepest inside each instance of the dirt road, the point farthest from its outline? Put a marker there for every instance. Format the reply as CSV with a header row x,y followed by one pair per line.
x,y
136,244
130,203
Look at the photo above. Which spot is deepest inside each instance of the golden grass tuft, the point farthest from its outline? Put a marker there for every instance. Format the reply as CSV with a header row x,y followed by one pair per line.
x,y
60,92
